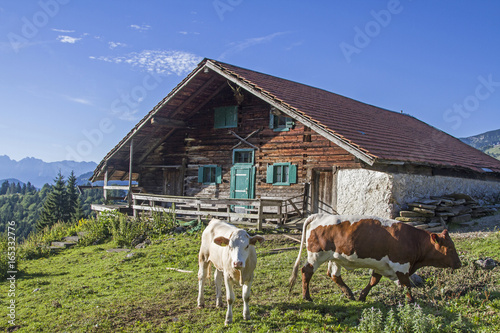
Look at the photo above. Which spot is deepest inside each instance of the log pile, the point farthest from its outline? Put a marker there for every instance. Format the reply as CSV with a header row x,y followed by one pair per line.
x,y
434,213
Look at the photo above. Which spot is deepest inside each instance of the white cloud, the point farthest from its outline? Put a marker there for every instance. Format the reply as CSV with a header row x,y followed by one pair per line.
x,y
113,45
68,39
240,46
62,30
188,33
141,28
158,61
79,100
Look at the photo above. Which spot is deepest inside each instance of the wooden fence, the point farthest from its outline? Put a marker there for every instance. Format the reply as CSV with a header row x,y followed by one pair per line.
x,y
257,210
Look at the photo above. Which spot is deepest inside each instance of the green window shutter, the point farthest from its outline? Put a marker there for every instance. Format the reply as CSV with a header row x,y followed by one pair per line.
x,y
218,175
270,174
219,120
226,117
292,174
271,119
200,174
289,122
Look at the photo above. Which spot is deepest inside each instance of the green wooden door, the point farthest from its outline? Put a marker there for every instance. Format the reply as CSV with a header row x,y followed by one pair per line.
x,y
242,181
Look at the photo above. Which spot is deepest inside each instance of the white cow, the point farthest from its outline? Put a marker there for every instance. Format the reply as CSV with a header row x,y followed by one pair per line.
x,y
232,252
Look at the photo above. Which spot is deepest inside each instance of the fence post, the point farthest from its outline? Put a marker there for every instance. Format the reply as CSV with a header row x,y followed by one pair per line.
x,y
259,218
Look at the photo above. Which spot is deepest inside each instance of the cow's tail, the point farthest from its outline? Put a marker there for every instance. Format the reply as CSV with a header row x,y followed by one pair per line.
x,y
295,271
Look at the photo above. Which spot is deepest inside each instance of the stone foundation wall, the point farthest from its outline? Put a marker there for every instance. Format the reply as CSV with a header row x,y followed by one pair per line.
x,y
362,191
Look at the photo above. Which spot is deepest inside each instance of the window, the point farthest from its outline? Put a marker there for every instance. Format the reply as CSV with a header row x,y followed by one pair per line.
x,y
243,156
226,117
210,174
281,174
279,122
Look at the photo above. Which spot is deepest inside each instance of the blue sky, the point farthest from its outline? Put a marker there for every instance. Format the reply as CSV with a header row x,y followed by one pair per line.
x,y
77,75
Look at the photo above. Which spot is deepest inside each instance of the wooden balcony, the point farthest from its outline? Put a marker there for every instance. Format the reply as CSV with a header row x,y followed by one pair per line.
x,y
244,211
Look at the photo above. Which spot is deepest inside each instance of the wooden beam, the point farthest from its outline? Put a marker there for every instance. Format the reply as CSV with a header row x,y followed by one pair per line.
x,y
245,141
131,160
167,122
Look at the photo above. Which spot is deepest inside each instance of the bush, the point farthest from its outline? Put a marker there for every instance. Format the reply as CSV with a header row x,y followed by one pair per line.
x,y
124,230
36,245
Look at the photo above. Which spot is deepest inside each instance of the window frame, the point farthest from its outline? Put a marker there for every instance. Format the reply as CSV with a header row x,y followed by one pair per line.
x,y
274,122
235,151
217,173
272,172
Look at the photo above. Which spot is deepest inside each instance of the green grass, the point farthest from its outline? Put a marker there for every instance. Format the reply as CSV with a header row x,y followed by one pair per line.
x,y
87,289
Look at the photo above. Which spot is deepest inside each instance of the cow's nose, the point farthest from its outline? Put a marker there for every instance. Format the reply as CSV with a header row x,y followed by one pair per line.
x,y
238,264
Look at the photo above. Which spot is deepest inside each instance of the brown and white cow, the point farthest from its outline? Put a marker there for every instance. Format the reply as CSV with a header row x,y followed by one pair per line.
x,y
232,252
390,248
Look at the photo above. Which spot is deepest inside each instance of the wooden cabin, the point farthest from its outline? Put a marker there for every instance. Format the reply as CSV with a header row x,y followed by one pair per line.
x,y
238,140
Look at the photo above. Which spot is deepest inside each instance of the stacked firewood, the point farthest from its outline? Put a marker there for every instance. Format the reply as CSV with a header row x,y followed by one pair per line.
x,y
434,213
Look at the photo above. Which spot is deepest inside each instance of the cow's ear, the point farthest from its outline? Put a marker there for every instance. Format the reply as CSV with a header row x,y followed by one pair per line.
x,y
222,241
434,238
255,239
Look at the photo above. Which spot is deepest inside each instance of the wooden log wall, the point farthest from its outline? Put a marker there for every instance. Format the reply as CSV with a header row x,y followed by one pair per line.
x,y
201,144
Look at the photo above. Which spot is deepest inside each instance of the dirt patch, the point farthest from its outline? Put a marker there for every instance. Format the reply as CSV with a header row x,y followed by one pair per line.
x,y
481,227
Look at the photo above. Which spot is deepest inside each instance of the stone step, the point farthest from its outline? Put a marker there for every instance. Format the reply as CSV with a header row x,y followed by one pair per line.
x,y
63,245
71,239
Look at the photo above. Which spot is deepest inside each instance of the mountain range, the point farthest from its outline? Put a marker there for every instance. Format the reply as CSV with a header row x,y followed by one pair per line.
x,y
488,142
39,172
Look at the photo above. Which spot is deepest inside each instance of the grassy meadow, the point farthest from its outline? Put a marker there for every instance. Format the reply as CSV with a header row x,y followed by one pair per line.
x,y
87,289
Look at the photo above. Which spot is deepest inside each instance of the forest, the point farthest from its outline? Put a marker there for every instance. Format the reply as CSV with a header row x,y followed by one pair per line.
x,y
29,206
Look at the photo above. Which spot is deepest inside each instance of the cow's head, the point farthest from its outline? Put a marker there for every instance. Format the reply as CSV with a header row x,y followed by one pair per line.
x,y
444,245
238,245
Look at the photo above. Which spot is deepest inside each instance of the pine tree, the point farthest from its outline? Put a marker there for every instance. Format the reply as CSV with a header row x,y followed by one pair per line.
x,y
73,204
4,187
55,205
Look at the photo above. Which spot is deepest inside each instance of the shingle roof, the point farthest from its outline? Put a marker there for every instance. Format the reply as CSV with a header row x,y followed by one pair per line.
x,y
383,134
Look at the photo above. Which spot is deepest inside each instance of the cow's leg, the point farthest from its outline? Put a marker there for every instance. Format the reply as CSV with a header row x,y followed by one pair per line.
x,y
246,298
334,272
202,275
307,273
373,282
230,299
218,277
404,280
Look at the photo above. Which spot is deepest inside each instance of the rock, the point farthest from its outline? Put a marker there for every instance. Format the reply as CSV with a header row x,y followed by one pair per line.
x,y
460,219
130,255
459,202
407,213
419,205
71,239
416,281
423,211
428,201
487,263
143,244
411,219
137,240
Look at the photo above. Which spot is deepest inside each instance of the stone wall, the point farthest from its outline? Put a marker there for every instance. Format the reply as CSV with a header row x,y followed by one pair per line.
x,y
362,191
